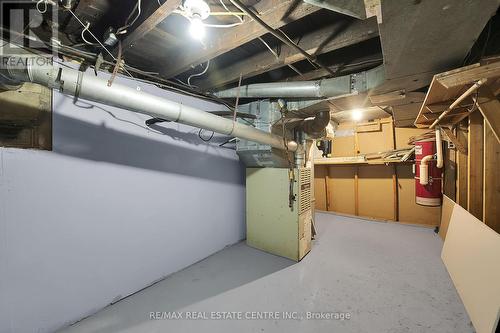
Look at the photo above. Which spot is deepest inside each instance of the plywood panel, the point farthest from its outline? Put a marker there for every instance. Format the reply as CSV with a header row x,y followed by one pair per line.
x,y
446,211
475,165
344,142
409,211
375,192
373,142
404,134
470,254
341,189
320,186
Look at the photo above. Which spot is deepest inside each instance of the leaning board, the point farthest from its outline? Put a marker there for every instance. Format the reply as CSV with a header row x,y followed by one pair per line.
x,y
471,253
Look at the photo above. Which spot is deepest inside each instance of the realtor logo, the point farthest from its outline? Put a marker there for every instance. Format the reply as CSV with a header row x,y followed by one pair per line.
x,y
26,24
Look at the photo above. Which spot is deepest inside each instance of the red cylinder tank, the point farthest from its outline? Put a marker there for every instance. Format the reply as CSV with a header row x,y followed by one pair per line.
x,y
430,194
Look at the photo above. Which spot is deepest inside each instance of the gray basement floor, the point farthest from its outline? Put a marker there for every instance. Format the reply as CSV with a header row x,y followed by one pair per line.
x,y
388,277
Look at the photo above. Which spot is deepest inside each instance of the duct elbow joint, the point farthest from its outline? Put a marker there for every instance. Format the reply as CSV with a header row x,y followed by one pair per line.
x,y
314,127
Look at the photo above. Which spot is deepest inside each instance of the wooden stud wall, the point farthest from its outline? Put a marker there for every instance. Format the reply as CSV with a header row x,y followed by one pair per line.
x,y
462,163
472,173
491,182
475,165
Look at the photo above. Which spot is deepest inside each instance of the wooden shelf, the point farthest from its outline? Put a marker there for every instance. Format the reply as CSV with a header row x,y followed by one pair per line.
x,y
446,87
329,161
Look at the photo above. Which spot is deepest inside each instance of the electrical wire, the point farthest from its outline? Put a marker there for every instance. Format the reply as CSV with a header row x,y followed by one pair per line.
x,y
137,7
45,6
81,55
208,25
102,45
269,48
198,74
202,138
227,9
226,25
277,56
83,37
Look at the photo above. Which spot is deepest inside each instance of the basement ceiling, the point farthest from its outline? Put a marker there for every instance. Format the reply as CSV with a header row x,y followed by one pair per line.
x,y
413,39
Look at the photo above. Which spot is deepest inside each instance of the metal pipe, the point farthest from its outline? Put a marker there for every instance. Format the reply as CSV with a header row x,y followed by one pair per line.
x,y
459,100
280,35
334,87
90,87
439,149
424,169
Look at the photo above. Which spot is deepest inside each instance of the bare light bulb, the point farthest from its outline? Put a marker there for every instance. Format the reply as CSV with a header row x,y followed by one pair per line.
x,y
197,28
356,115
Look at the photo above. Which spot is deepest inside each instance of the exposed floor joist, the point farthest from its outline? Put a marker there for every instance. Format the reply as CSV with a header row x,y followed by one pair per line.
x,y
151,22
333,37
275,13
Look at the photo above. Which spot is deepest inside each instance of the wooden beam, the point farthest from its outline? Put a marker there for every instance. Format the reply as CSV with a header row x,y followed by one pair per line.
x,y
150,23
460,147
469,76
275,13
386,98
433,116
395,189
475,166
356,190
462,175
491,179
489,106
338,35
327,188
450,173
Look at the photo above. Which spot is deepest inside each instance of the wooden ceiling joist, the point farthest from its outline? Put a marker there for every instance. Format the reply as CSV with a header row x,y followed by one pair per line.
x,y
333,37
150,23
275,13
353,66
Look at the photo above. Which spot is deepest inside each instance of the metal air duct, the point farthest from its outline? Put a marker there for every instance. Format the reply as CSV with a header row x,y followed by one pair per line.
x,y
335,87
90,87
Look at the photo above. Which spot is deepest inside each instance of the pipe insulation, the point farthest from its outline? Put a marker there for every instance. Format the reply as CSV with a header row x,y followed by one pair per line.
x,y
90,87
352,84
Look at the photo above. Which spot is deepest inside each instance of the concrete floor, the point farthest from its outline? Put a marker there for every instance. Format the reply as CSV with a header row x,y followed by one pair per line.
x,y
387,277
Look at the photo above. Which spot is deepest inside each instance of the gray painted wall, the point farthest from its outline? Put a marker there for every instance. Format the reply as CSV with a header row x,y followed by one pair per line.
x,y
115,207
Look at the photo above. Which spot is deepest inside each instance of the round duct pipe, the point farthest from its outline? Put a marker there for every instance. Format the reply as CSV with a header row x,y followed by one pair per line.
x,y
93,88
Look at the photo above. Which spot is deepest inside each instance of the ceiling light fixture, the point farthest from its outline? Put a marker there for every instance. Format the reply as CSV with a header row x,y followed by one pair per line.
x,y
356,114
197,29
196,11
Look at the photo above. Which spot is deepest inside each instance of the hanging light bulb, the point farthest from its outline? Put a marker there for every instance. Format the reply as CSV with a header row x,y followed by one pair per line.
x,y
196,11
356,114
197,28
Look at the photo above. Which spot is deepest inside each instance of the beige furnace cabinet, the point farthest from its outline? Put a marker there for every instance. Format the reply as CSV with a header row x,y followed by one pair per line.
x,y
272,226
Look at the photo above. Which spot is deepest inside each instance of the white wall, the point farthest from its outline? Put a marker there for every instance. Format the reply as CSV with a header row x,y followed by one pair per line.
x,y
113,208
